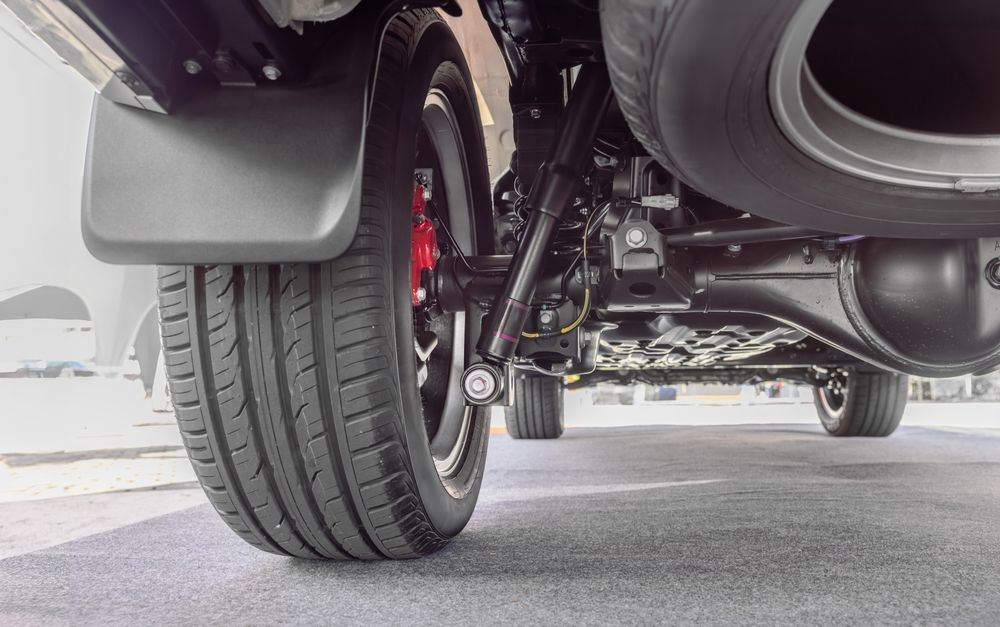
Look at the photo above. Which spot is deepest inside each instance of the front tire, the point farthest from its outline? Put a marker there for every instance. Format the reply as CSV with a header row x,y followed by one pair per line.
x,y
537,413
300,388
862,404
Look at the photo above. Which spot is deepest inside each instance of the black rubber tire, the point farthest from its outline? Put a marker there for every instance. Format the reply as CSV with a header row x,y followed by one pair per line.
x,y
537,413
874,405
295,385
691,78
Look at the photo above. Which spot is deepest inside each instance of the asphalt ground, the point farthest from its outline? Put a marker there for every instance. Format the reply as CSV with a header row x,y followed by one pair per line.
x,y
761,523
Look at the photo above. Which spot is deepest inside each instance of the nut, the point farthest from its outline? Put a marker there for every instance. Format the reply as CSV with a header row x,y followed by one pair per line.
x,y
993,272
635,237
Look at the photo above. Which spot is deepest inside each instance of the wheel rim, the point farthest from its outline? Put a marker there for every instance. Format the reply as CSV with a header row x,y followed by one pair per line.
x,y
439,338
847,141
833,398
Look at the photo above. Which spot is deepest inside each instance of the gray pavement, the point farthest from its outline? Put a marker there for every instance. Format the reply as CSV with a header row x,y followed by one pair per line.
x,y
736,524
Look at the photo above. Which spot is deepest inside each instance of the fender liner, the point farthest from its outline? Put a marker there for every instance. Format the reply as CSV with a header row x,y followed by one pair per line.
x,y
237,174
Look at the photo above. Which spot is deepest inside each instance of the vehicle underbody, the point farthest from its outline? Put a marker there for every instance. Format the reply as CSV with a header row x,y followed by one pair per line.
x,y
732,192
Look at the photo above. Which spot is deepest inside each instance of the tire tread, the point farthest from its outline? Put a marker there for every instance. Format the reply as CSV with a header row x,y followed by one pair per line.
x,y
283,378
537,413
875,405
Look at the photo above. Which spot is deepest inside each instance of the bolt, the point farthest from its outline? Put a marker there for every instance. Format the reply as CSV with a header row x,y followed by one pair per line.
x,y
224,62
192,67
271,72
129,80
421,294
480,383
635,237
535,113
546,317
734,248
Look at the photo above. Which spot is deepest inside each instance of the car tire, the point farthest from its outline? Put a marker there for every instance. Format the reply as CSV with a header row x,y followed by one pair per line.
x,y
537,413
863,404
718,133
296,385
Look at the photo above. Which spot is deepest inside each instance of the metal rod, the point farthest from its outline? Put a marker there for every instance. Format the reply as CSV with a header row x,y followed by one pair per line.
x,y
738,231
552,192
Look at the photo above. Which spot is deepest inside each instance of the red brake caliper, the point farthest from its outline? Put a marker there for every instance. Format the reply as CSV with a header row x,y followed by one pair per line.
x,y
424,251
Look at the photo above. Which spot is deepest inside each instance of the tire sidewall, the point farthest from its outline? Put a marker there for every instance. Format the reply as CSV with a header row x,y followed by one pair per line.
x,y
704,133
434,45
834,425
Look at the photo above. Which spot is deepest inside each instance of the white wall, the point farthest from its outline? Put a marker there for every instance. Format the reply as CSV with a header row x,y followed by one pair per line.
x,y
44,118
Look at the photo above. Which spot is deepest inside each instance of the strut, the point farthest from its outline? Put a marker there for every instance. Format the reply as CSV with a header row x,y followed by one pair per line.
x,y
552,192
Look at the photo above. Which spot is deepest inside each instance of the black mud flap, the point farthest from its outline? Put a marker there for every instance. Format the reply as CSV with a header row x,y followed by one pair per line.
x,y
236,174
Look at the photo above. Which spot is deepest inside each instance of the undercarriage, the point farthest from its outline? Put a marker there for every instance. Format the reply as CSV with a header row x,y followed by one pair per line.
x,y
661,251
695,192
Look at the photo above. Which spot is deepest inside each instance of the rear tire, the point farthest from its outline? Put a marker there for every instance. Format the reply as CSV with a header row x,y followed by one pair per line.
x,y
862,404
296,385
537,413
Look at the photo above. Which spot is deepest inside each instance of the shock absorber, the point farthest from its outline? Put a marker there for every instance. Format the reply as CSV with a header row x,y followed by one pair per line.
x,y
551,193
